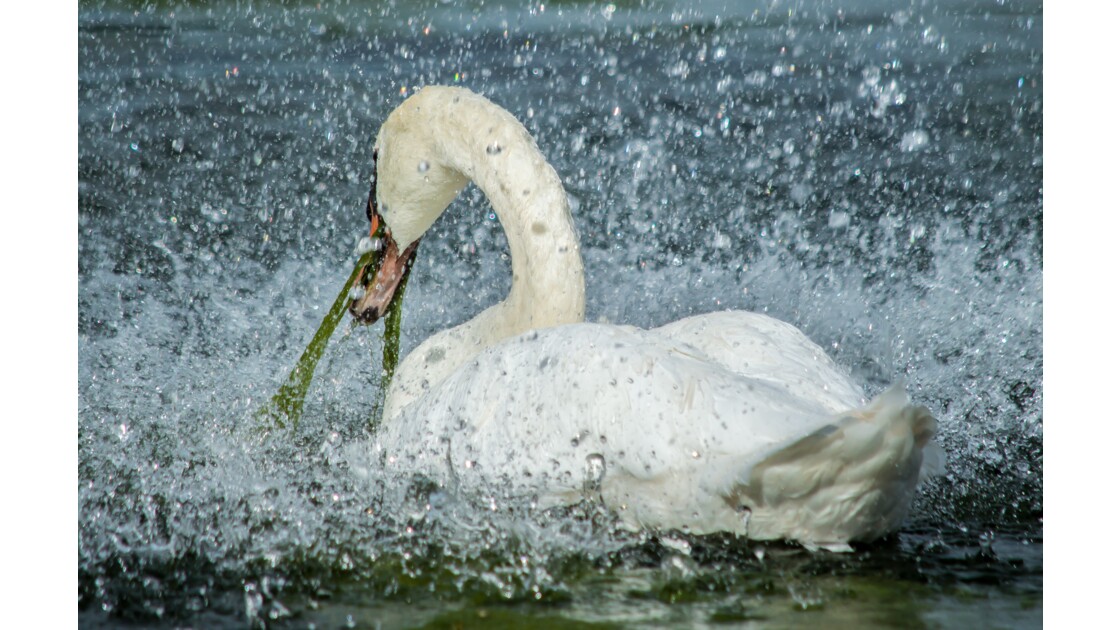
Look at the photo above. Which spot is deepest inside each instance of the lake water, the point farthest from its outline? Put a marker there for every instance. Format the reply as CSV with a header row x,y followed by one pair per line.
x,y
868,171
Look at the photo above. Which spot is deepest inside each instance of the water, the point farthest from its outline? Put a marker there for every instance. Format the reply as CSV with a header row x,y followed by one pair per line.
x,y
869,171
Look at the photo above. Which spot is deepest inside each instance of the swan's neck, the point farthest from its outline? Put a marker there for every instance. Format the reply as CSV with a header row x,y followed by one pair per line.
x,y
526,194
449,136
452,135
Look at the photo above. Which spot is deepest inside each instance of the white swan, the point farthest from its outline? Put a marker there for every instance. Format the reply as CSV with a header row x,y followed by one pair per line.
x,y
732,421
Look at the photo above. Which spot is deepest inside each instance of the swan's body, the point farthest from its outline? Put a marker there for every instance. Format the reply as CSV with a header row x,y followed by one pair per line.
x,y
731,422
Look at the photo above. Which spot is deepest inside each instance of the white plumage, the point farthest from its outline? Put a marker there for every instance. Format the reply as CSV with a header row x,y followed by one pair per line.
x,y
732,421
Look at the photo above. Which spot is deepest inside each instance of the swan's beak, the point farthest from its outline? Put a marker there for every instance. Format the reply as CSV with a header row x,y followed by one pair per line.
x,y
386,278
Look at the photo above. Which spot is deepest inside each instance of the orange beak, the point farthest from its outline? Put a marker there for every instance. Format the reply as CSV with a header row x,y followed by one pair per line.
x,y
374,219
379,290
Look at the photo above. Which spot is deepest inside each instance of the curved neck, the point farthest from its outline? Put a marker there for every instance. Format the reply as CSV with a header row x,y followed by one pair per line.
x,y
458,136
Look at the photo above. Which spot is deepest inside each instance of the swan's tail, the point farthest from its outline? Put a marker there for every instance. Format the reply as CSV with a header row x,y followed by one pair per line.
x,y
851,480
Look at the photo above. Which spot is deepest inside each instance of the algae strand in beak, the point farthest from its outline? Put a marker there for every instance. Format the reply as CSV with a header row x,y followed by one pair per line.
x,y
287,404
391,343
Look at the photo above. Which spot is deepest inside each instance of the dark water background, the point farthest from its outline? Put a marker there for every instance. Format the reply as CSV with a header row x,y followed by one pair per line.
x,y
869,171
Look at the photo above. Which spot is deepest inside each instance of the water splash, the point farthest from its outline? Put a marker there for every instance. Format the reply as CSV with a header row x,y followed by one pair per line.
x,y
740,157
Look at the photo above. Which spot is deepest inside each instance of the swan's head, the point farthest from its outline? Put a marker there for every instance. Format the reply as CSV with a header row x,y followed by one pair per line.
x,y
380,279
428,149
412,185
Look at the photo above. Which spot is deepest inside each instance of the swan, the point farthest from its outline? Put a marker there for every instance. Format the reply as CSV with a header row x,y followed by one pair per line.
x,y
727,422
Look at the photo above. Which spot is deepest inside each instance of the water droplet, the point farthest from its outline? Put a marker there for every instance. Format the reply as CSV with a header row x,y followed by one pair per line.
x,y
253,600
800,192
579,438
680,546
367,244
423,166
838,219
594,470
914,140
494,149
278,611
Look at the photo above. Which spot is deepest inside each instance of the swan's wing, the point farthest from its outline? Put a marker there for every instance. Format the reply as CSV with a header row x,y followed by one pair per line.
x,y
760,347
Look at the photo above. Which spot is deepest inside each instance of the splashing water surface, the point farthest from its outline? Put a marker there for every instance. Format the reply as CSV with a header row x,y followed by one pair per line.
x,y
868,171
